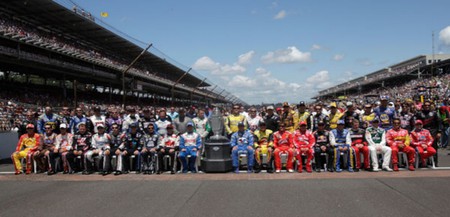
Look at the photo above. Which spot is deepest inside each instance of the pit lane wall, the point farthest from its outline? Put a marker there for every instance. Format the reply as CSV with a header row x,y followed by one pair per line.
x,y
8,142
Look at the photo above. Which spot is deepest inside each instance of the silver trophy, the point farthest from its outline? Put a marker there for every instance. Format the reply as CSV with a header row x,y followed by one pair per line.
x,y
217,124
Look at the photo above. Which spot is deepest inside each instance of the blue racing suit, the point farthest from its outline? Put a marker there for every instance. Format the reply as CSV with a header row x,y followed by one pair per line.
x,y
243,140
189,141
342,139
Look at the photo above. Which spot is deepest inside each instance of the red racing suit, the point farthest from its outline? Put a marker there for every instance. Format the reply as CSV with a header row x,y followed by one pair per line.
x,y
396,137
283,144
420,138
358,137
304,140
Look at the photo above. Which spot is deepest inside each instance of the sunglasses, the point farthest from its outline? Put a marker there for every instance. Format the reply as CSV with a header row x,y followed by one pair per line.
x,y
47,128
115,128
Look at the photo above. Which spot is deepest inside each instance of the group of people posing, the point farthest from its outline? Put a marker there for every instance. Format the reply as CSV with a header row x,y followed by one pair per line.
x,y
331,137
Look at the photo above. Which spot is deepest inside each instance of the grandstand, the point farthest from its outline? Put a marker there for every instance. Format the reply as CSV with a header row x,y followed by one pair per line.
x,y
418,67
47,42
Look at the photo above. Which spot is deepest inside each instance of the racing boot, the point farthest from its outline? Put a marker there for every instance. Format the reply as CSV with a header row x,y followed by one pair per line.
x,y
258,168
411,167
308,169
395,167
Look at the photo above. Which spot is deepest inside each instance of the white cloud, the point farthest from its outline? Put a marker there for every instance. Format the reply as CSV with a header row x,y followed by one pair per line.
x,y
205,64
316,47
289,55
280,15
338,57
444,35
241,81
246,58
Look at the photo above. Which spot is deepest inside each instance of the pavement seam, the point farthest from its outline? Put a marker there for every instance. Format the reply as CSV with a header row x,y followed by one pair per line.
x,y
189,199
408,197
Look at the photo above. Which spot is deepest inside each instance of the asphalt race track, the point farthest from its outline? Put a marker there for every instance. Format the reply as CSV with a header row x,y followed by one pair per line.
x,y
424,192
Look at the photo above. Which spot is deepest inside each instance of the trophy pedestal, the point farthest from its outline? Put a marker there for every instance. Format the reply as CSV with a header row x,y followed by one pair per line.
x,y
218,156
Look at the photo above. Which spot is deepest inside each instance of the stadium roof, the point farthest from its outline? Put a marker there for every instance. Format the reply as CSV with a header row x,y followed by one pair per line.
x,y
50,16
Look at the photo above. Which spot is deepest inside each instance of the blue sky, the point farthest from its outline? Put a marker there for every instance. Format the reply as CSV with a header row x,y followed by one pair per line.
x,y
272,51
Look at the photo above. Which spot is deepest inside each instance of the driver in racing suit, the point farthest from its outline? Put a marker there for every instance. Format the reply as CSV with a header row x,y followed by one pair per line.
x,y
398,139
82,144
283,143
242,141
263,145
148,153
376,137
101,150
340,139
304,142
422,140
168,145
190,144
359,145
27,145
322,146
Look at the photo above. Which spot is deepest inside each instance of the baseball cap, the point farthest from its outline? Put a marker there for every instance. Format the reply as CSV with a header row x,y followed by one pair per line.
x,y
100,126
30,126
81,123
285,104
302,103
133,125
241,124
97,108
349,104
419,122
190,124
269,107
333,104
384,97
302,123
63,126
340,122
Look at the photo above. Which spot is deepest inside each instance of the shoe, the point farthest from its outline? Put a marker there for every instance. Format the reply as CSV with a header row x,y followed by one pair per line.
x,y
387,169
50,173
269,170
185,171
317,170
138,172
355,170
249,171
65,172
367,169
330,169
17,173
85,172
258,168
309,170
72,172
28,172
172,172
351,170
118,173
236,170
299,170
375,170
395,167
145,172
411,168
104,173
277,171
193,171
290,170
126,172
338,170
